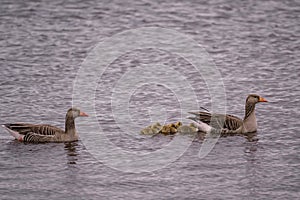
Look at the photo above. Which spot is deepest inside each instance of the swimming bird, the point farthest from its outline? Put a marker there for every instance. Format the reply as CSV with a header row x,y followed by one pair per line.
x,y
231,123
46,133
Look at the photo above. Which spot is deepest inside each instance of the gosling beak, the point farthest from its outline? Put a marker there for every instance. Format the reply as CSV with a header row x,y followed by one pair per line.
x,y
82,114
262,99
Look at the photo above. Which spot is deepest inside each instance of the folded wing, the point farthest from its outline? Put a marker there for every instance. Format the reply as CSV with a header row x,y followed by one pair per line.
x,y
31,132
218,121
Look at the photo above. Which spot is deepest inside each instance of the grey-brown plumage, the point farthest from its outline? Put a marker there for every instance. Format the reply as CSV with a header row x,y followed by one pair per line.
x,y
44,132
229,123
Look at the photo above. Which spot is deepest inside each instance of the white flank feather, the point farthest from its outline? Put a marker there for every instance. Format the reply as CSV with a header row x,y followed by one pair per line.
x,y
15,134
203,127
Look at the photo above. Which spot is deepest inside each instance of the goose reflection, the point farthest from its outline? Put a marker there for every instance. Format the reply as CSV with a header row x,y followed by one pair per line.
x,y
72,152
253,169
251,137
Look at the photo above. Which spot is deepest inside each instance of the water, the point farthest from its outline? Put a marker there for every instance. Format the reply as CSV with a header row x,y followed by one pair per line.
x,y
255,46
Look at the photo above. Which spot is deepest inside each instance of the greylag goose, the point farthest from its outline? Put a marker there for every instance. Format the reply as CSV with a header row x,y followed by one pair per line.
x,y
231,124
46,133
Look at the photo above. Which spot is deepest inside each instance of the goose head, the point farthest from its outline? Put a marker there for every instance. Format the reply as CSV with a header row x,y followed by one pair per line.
x,y
254,98
251,100
75,112
249,123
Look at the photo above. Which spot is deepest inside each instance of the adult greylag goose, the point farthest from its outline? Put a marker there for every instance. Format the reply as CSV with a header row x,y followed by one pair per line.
x,y
231,124
44,132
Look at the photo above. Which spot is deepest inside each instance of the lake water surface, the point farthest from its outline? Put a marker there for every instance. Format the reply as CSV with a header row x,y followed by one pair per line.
x,y
255,47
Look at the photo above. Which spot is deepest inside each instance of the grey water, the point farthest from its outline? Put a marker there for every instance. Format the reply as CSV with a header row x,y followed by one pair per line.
x,y
45,46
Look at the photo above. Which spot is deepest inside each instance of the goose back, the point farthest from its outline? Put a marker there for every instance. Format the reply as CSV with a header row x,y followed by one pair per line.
x,y
42,129
229,122
34,133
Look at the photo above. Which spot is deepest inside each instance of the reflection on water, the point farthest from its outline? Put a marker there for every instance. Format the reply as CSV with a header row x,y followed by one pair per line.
x,y
252,176
252,137
70,147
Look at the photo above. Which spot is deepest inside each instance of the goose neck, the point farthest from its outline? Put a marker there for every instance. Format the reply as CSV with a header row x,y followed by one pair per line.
x,y
249,110
70,124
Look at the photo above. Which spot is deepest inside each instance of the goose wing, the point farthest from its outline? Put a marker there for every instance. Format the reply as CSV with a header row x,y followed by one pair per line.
x,y
230,122
32,132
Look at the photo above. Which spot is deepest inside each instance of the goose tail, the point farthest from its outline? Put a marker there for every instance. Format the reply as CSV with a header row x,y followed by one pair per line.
x,y
203,127
15,134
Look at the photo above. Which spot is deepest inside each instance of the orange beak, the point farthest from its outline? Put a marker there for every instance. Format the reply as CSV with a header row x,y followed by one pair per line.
x,y
262,99
83,114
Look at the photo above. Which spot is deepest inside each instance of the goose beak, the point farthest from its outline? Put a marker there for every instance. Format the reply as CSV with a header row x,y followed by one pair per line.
x,y
82,114
262,99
